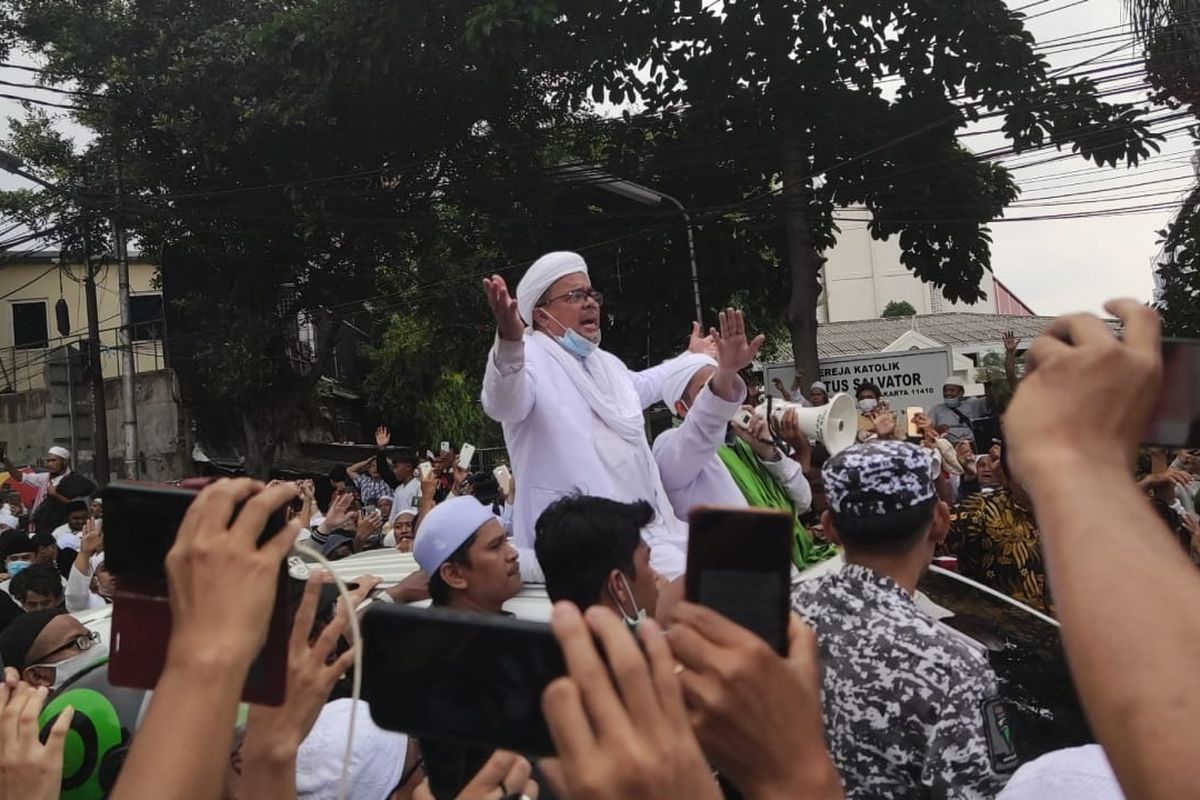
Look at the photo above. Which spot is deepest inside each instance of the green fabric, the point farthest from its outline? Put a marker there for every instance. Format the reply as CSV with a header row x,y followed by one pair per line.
x,y
762,491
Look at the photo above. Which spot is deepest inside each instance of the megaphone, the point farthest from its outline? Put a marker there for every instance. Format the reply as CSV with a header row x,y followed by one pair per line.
x,y
834,424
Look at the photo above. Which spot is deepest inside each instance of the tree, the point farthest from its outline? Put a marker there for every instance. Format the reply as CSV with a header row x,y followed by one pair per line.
x,y
1170,31
307,158
898,308
816,107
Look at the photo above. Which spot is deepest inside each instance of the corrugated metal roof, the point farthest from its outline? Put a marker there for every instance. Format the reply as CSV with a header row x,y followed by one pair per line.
x,y
954,328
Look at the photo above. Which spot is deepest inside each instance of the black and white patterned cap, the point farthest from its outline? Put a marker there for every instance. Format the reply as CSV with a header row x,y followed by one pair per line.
x,y
878,477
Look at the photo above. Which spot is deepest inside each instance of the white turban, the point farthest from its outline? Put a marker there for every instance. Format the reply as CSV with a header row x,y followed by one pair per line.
x,y
445,529
680,374
954,380
9,521
818,385
60,452
542,275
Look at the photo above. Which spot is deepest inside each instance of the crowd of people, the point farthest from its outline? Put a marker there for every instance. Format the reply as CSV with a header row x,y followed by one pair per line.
x,y
663,697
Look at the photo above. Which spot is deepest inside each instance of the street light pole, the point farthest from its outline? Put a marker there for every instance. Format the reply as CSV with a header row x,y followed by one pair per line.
x,y
646,196
125,342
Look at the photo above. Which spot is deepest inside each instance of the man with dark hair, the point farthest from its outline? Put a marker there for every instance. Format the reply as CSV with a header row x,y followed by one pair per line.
x,y
463,549
399,471
37,588
68,535
910,709
592,553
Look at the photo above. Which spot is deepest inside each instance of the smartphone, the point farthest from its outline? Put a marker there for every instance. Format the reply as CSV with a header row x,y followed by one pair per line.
x,y
1176,419
743,418
739,562
141,520
910,414
503,477
423,469
465,455
476,678
445,447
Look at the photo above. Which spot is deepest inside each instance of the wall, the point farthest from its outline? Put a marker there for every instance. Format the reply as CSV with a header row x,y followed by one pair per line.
x,y
862,275
164,451
40,278
163,438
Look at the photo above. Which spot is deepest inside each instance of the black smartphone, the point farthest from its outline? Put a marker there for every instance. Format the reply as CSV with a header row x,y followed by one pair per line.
x,y
1176,420
140,524
739,563
473,678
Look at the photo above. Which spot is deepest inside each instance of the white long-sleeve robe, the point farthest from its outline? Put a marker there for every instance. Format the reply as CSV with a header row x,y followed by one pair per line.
x,y
691,470
694,474
557,444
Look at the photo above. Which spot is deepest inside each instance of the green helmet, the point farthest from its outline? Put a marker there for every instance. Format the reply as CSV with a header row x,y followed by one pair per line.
x,y
103,725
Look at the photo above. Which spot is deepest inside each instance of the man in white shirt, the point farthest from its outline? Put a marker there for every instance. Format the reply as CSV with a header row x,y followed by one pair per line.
x,y
56,487
67,535
705,393
571,412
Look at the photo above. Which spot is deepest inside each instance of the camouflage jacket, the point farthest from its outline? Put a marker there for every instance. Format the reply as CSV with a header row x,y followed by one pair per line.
x,y
910,711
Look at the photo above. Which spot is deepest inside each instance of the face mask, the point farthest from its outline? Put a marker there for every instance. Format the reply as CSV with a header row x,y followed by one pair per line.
x,y
16,567
952,402
867,405
574,343
65,670
639,616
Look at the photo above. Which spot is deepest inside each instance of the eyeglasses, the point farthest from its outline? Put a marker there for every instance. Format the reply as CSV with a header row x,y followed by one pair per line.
x,y
576,297
84,641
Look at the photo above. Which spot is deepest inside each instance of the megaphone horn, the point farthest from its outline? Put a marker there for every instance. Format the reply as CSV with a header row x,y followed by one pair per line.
x,y
834,424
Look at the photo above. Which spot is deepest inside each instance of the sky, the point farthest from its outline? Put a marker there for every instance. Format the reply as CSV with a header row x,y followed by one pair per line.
x,y
1054,266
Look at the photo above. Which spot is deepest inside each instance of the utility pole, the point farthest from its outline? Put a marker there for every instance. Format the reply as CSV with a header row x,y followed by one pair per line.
x,y
125,341
99,406
10,163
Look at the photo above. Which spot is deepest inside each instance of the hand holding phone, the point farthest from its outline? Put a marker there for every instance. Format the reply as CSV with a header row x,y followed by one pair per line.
x,y
424,469
465,455
221,580
222,584
1176,420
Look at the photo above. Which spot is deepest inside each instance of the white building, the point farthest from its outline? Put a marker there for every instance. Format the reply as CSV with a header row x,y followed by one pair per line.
x,y
862,275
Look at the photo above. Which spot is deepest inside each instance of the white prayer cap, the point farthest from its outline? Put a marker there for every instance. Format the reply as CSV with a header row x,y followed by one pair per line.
x,y
445,529
542,275
954,380
376,756
680,374
410,512
9,521
59,452
819,385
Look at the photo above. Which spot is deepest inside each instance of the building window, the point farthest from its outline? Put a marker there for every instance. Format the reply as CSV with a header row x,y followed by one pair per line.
x,y
30,331
146,317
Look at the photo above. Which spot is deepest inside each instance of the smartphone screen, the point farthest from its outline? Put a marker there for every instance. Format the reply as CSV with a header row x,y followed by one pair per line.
x,y
141,521
474,678
910,414
1176,420
739,563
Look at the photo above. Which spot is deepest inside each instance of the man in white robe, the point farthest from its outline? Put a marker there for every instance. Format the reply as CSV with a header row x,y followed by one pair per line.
x,y
705,393
571,412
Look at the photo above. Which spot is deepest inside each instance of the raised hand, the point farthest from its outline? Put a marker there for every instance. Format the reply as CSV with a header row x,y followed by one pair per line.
x,y
383,437
1011,341
699,343
92,541
339,512
621,729
734,351
504,309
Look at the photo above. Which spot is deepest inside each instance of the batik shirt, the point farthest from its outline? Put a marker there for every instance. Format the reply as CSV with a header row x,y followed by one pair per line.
x,y
371,489
910,711
996,542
